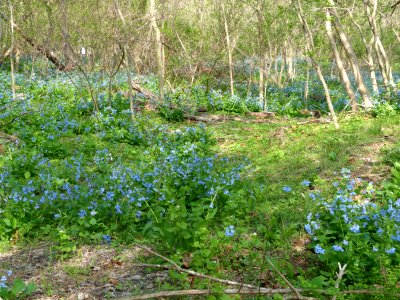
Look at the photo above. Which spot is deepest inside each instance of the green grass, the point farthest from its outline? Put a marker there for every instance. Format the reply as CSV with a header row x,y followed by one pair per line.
x,y
284,153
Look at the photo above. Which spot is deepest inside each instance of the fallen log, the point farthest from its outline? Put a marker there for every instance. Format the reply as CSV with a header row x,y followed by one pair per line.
x,y
5,55
145,92
218,118
41,49
263,114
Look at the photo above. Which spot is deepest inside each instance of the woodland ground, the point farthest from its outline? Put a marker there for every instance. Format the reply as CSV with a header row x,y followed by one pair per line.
x,y
283,151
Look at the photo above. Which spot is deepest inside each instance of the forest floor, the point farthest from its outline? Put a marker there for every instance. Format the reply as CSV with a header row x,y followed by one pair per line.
x,y
282,150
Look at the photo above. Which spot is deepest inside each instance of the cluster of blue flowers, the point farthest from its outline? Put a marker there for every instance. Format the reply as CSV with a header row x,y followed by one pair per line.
x,y
105,186
352,217
4,279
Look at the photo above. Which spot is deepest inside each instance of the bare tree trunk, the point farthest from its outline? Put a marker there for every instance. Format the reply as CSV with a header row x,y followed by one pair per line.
x,y
367,103
383,60
41,49
229,48
159,49
289,60
306,83
5,55
371,67
372,23
12,47
388,66
310,48
64,29
368,49
342,71
127,63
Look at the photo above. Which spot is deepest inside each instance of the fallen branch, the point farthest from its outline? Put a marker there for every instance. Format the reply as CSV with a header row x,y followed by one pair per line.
x,y
210,292
342,271
5,55
46,52
196,274
314,121
244,289
145,92
263,114
218,118
14,119
284,278
6,136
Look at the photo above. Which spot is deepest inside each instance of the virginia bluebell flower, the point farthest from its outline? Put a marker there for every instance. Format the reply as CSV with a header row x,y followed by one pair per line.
x,y
230,230
391,250
319,250
287,189
355,228
338,248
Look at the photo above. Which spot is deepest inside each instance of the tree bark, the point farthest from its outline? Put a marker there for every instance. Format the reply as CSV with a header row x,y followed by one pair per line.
x,y
159,49
310,47
342,71
372,23
368,49
367,103
12,47
229,49
41,49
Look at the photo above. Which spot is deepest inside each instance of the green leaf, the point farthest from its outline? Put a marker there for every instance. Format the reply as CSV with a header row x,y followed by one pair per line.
x,y
31,287
186,235
92,221
7,222
18,287
27,175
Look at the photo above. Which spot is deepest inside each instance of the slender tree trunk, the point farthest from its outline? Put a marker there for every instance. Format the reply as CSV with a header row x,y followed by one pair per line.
x,y
383,60
127,63
342,71
371,67
261,54
229,48
159,49
289,60
310,48
388,66
367,103
6,54
65,33
12,47
306,83
372,23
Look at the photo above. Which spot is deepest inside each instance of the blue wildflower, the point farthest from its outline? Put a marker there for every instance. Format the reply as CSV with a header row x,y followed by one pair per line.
x,y
391,250
57,216
345,242
82,213
230,230
287,189
319,250
355,228
118,209
306,183
107,238
374,249
338,248
307,227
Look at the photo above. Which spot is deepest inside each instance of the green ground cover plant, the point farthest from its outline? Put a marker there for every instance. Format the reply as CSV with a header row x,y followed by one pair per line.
x,y
227,195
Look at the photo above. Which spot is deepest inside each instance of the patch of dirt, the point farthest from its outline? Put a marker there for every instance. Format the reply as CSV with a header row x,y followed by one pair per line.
x,y
94,272
368,162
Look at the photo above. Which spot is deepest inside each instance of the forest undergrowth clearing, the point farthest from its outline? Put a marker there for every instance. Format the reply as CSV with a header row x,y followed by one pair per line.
x,y
275,151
